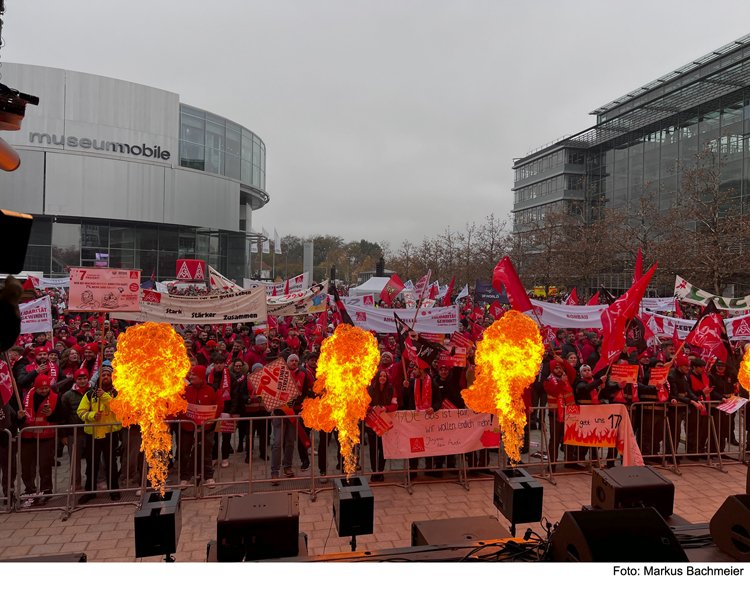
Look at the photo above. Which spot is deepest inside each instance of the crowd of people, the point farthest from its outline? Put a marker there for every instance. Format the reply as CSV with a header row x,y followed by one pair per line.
x,y
67,381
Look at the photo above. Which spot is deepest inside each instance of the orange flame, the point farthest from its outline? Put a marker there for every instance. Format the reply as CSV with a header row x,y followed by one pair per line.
x,y
573,435
508,359
348,361
744,374
149,370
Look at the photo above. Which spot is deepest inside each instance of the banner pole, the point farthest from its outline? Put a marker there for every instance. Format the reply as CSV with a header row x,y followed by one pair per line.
x,y
13,379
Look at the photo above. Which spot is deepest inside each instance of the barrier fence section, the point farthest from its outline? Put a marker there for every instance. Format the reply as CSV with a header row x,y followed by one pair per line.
x,y
7,470
267,453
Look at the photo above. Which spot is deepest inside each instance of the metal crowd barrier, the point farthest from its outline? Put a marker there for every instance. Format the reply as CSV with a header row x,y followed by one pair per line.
x,y
663,441
7,470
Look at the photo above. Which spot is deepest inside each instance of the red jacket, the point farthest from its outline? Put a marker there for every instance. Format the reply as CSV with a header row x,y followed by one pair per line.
x,y
38,420
203,396
255,355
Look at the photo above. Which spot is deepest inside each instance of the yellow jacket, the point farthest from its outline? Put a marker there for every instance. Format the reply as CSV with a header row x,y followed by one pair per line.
x,y
90,405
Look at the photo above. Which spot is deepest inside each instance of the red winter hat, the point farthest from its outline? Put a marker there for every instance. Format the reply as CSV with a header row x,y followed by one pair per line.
x,y
38,350
681,360
293,343
80,372
200,371
552,365
78,348
41,381
644,354
211,344
92,347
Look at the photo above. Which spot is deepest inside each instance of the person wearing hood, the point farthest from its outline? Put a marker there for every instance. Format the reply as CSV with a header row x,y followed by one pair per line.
x,y
101,441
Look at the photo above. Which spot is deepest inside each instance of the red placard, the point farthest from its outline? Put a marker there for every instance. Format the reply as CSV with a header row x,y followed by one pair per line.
x,y
460,340
191,270
457,360
434,337
378,420
658,376
624,373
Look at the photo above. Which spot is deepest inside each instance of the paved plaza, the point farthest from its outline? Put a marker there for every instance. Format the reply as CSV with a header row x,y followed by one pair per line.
x,y
106,533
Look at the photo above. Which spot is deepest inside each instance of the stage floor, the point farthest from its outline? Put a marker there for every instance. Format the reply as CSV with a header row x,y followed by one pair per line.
x,y
106,533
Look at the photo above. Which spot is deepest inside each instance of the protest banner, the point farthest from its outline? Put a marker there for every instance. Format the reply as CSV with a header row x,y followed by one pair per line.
x,y
275,386
434,337
562,316
417,434
297,284
459,340
435,320
36,316
378,420
47,282
624,373
200,413
658,376
732,405
687,292
448,405
367,300
240,306
310,301
602,425
104,290
457,360
658,304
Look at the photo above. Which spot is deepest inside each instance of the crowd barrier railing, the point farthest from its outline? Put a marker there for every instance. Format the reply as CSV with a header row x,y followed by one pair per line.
x,y
7,471
665,433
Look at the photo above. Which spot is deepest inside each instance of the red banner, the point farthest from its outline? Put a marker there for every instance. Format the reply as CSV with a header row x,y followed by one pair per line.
x,y
191,270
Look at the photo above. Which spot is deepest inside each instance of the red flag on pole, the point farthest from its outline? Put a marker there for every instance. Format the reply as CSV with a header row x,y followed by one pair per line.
x,y
286,287
433,291
594,301
615,319
394,287
710,335
420,291
447,298
572,298
505,274
6,383
274,290
638,273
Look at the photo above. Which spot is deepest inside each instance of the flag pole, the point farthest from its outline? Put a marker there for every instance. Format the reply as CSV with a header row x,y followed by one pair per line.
x,y
13,379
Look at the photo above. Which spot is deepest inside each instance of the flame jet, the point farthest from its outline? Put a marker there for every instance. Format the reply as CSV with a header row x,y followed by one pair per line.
x,y
149,374
507,361
743,375
347,364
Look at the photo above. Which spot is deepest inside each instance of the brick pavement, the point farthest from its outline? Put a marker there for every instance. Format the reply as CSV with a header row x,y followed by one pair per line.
x,y
106,533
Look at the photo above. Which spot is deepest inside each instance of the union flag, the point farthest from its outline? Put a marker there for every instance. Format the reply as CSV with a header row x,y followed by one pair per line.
x,y
391,289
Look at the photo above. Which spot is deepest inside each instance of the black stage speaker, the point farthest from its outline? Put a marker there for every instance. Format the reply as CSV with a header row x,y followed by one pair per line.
x,y
458,530
518,496
158,524
15,228
622,535
730,527
258,526
353,506
632,486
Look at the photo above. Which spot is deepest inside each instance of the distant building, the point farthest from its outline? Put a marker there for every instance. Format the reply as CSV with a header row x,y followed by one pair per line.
x,y
638,138
367,275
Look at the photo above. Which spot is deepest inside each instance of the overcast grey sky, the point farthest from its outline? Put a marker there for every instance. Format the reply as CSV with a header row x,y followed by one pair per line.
x,y
382,119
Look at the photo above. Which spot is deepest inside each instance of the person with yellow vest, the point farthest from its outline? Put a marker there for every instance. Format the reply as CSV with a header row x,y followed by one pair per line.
x,y
95,410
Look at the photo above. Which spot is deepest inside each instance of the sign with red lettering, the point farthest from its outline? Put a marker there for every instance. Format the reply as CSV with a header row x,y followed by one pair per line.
x,y
457,360
378,420
104,290
624,373
200,413
603,425
460,340
274,384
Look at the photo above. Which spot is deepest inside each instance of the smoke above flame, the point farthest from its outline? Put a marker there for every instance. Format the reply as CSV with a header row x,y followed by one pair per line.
x,y
149,370
348,361
507,361
744,374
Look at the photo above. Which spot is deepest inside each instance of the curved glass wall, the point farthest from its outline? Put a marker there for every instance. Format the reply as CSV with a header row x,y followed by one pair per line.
x,y
217,145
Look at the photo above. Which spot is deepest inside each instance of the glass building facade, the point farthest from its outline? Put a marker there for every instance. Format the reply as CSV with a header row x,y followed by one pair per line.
x,y
638,141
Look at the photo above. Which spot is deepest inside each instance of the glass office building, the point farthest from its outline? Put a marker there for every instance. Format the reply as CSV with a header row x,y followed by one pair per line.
x,y
124,175
637,141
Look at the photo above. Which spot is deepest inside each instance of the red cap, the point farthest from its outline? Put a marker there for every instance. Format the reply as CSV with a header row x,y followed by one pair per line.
x,y
200,371
644,354
211,344
41,381
681,360
80,372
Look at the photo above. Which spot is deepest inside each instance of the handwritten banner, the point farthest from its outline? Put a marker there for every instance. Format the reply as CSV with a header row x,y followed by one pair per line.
x,y
602,425
417,434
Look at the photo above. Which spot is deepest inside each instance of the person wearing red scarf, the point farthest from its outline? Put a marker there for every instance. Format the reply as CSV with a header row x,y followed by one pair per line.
x,y
40,366
38,445
420,395
559,395
225,384
697,416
